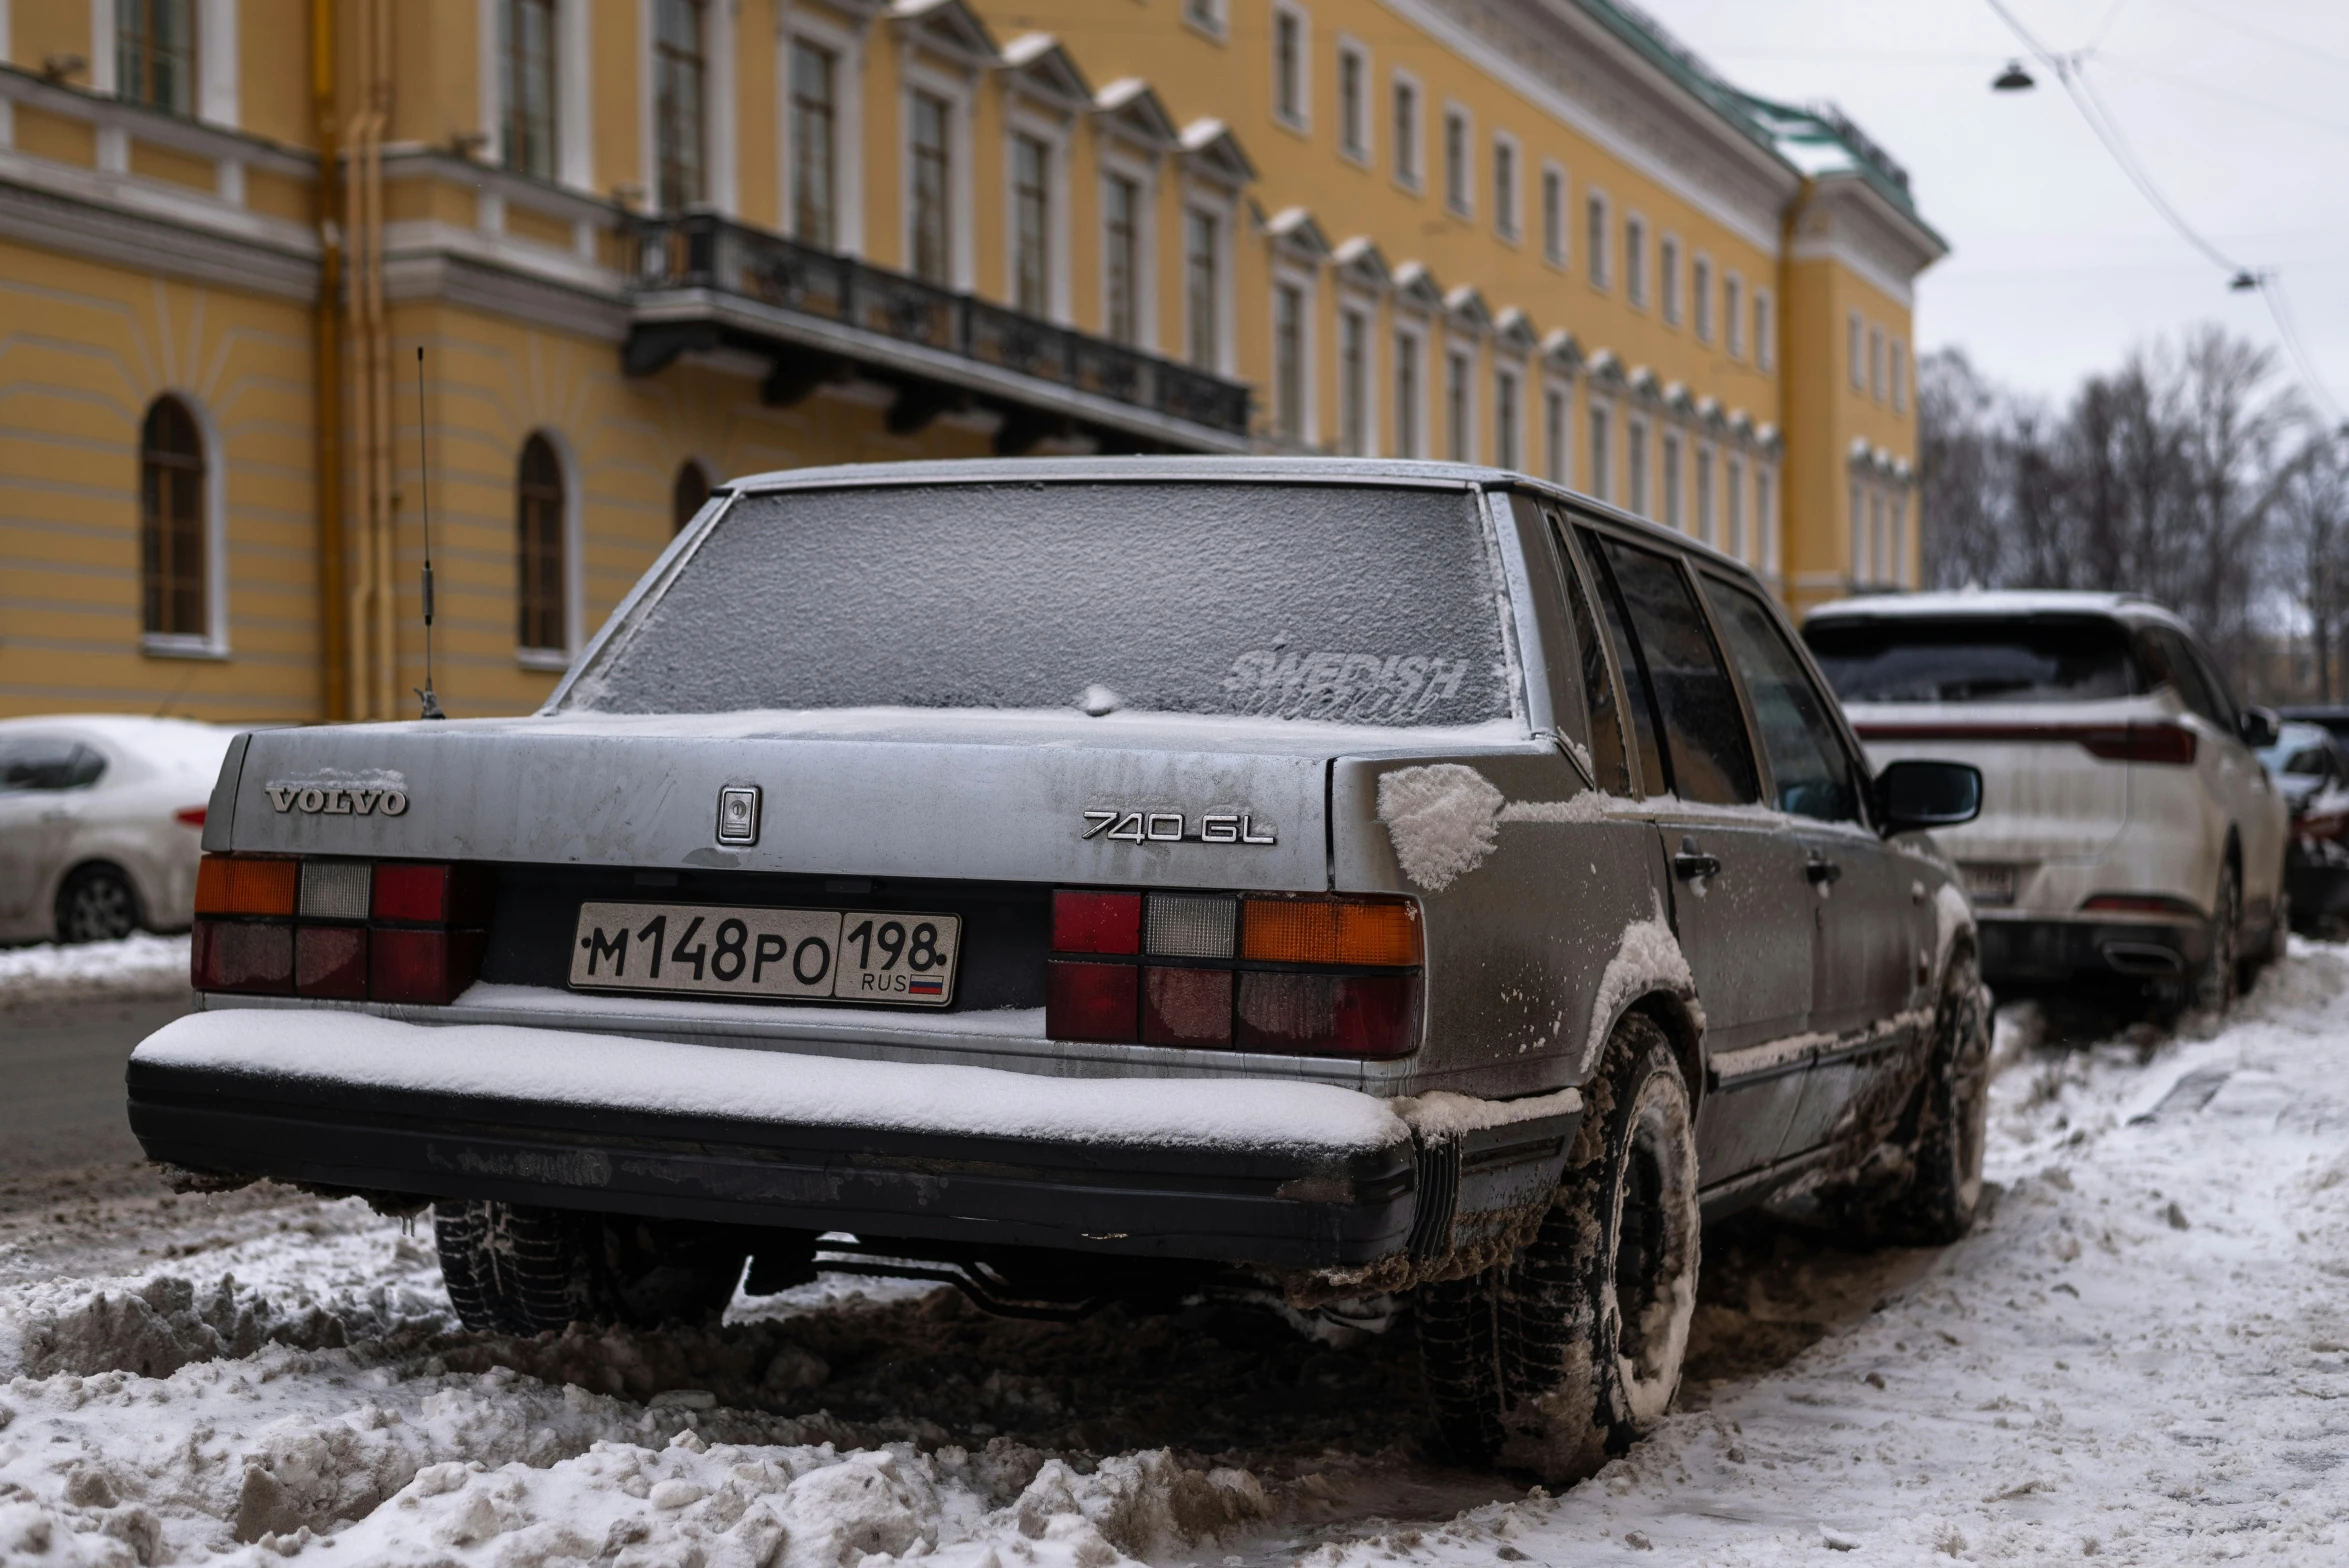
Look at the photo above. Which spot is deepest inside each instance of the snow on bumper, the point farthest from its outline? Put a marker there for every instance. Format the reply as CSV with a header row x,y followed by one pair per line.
x,y
1289,1174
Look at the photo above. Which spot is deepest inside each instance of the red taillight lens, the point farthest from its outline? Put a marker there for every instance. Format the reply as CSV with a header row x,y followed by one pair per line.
x,y
2142,904
1090,1001
1096,922
233,955
331,962
418,893
189,816
1187,1006
1329,1015
421,966
2164,743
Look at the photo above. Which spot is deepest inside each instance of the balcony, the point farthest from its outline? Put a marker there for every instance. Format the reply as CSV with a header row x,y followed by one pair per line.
x,y
704,283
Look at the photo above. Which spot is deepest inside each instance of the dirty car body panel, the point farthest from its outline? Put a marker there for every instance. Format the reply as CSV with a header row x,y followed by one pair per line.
x,y
1281,839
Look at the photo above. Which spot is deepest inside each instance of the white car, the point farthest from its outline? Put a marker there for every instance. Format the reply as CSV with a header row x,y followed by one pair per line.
x,y
2128,831
101,821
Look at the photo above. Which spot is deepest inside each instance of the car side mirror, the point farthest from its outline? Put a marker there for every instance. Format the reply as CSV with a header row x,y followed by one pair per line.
x,y
2259,727
1913,795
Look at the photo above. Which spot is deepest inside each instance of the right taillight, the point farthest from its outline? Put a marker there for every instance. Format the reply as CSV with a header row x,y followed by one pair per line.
x,y
2164,743
1313,975
338,930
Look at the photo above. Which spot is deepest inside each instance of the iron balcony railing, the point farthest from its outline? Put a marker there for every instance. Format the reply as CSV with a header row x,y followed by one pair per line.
x,y
704,250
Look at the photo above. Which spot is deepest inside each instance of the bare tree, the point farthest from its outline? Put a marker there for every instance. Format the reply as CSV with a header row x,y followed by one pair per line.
x,y
2312,532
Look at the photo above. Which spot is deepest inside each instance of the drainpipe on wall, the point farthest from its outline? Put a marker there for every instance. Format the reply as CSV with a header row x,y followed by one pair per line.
x,y
370,621
333,653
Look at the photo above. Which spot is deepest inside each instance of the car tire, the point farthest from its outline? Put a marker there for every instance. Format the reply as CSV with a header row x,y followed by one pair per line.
x,y
96,904
2213,986
518,1269
1923,1186
1559,1358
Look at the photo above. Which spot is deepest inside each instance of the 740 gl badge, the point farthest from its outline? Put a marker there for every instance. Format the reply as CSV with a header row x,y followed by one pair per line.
x,y
1172,827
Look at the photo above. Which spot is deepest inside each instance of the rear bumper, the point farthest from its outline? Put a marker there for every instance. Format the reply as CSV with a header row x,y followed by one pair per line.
x,y
1303,1206
2016,951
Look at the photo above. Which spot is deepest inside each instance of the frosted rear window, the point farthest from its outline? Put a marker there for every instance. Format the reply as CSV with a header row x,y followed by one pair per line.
x,y
1340,603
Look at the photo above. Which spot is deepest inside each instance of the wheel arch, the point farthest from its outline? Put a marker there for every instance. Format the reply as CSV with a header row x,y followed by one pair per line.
x,y
1678,1017
142,902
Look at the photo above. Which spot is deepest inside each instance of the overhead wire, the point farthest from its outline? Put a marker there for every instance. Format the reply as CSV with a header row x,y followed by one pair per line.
x,y
2071,71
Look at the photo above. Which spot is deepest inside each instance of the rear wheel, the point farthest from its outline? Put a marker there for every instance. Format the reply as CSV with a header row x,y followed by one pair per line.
x,y
520,1269
2215,981
1560,1357
96,904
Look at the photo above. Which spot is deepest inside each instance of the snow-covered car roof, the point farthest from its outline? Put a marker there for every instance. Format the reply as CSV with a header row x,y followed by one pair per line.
x,y
1997,604
185,746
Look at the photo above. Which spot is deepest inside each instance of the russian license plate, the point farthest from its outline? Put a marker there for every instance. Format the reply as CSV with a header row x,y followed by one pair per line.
x,y
1988,884
857,955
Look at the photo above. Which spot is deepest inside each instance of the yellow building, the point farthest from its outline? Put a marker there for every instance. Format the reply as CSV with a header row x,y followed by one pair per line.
x,y
646,244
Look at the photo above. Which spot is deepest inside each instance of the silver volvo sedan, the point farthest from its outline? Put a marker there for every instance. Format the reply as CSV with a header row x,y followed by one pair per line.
x,y
1387,882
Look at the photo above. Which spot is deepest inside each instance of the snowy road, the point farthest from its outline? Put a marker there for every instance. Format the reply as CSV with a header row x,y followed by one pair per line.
x,y
2142,1357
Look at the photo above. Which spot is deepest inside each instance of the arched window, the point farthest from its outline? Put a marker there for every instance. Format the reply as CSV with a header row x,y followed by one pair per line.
x,y
538,526
171,522
693,488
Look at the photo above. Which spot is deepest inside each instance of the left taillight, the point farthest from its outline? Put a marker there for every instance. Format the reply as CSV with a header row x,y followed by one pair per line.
x,y
338,930
1318,976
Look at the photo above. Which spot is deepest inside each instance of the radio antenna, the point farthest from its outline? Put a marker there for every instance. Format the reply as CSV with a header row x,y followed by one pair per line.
x,y
424,497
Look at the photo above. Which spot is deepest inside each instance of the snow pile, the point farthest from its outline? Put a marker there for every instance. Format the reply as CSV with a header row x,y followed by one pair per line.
x,y
1440,818
137,966
1647,958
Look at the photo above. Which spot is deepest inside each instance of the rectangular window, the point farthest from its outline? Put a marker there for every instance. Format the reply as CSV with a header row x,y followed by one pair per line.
x,y
1456,193
1635,462
1554,216
1700,295
1203,288
1353,102
1858,501
1555,466
1456,396
1407,394
1733,314
1900,377
1675,516
815,117
1635,260
1406,132
1121,259
678,99
1897,512
932,190
1602,455
155,53
1505,415
1353,383
1595,241
1733,492
1288,65
1765,547
1855,353
1765,350
1876,363
1031,217
1704,494
526,65
1505,187
1288,360
1668,279
1880,557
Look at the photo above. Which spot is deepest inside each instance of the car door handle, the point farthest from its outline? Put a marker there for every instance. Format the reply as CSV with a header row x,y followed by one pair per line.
x,y
1820,869
1692,862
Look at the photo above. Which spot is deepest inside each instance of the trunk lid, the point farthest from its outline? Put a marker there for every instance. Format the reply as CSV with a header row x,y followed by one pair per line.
x,y
2045,795
1005,796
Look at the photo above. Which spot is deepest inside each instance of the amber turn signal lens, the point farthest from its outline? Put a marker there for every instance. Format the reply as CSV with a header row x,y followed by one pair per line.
x,y
1330,931
239,885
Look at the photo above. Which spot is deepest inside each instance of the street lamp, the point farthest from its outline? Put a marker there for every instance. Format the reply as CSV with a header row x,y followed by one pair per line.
x,y
2243,283
2014,79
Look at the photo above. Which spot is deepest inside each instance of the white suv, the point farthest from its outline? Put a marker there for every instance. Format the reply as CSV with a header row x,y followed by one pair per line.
x,y
2128,830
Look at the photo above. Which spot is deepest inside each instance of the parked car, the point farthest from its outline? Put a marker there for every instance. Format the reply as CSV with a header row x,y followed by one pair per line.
x,y
2333,716
2128,830
1103,875
99,822
2312,774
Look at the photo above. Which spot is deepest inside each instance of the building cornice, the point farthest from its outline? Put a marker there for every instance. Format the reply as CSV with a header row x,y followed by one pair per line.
x,y
44,206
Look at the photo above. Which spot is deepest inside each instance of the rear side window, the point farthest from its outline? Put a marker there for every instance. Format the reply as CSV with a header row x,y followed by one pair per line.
x,y
1808,764
1975,658
1607,756
1696,706
1348,604
33,763
1635,675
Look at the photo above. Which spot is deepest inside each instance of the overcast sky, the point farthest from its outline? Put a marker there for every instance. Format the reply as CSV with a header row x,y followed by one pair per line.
x,y
2239,109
